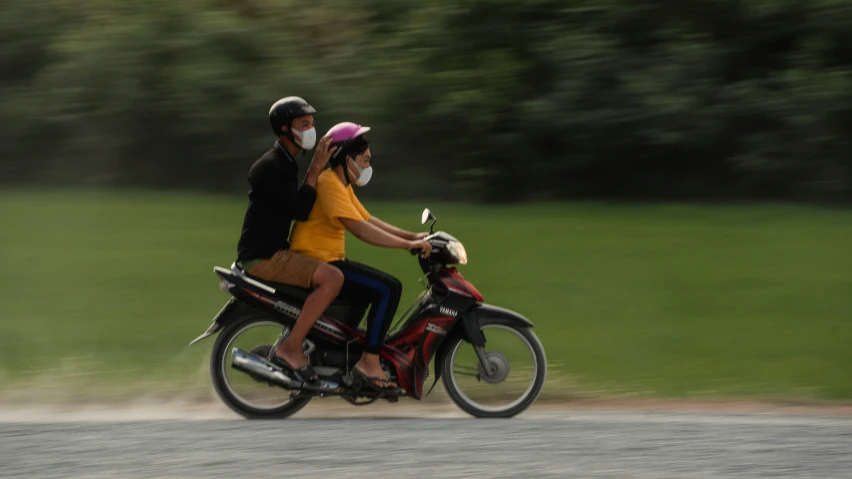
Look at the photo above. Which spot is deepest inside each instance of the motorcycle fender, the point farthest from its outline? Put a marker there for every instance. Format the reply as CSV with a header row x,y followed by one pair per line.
x,y
471,332
503,315
471,325
219,321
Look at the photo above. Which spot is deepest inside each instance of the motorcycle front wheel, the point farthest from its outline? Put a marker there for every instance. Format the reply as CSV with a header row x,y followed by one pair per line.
x,y
512,380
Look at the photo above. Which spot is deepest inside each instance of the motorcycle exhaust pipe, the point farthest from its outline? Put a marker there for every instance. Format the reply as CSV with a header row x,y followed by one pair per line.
x,y
254,365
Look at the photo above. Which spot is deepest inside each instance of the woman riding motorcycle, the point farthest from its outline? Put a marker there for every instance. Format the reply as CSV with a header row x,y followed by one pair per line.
x,y
323,236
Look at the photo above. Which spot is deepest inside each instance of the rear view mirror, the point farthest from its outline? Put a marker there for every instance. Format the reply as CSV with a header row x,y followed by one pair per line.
x,y
426,216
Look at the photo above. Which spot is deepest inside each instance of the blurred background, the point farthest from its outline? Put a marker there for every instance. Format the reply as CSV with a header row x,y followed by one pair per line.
x,y
663,187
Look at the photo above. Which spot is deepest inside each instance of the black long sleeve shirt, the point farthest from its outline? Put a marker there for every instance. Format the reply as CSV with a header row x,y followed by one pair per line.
x,y
275,201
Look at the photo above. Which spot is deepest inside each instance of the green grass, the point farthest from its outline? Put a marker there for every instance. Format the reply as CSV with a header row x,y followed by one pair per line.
x,y
106,289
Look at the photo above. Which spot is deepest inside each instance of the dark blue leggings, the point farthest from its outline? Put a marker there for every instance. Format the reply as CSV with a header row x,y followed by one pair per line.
x,y
364,287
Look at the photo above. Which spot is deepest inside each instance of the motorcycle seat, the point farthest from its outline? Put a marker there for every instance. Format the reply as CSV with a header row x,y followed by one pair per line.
x,y
337,309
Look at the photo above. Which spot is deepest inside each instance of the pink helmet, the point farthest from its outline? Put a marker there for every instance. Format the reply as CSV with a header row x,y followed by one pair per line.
x,y
346,131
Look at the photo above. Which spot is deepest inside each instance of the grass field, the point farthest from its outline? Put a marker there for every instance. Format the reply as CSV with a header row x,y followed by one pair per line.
x,y
104,290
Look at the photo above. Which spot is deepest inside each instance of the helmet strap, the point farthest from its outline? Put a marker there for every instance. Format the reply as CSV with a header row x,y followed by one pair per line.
x,y
346,169
289,134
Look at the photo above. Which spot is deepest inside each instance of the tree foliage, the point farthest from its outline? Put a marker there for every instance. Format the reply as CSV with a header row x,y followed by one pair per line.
x,y
499,100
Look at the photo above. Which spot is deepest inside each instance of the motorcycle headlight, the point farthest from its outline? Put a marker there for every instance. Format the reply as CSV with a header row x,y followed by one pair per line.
x,y
457,251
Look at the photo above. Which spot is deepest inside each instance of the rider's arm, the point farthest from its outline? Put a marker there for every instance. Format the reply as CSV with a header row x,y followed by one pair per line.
x,y
303,202
314,171
370,233
299,203
393,229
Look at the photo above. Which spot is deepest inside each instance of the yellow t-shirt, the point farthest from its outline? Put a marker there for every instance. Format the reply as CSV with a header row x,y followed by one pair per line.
x,y
323,236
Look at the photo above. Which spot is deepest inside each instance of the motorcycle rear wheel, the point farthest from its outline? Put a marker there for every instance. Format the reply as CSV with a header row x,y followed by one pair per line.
x,y
220,369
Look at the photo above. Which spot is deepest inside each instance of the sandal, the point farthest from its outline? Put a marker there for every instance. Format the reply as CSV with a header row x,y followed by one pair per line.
x,y
370,380
305,373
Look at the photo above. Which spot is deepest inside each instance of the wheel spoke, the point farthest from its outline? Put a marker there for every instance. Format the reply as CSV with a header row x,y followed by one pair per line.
x,y
509,380
467,368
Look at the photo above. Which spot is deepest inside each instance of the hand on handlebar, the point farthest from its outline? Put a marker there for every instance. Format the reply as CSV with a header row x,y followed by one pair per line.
x,y
420,246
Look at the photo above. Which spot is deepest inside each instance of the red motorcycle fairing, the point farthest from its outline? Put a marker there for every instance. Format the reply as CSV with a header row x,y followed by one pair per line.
x,y
411,352
455,282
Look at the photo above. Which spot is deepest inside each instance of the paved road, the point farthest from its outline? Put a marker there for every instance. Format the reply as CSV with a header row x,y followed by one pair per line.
x,y
549,444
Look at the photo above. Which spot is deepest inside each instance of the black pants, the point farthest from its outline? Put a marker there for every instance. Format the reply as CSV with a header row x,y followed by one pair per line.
x,y
364,287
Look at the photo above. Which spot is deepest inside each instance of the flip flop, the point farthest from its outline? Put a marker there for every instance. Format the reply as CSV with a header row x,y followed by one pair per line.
x,y
305,373
372,381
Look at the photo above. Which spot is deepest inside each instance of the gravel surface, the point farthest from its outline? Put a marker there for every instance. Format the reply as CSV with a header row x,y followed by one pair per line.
x,y
587,444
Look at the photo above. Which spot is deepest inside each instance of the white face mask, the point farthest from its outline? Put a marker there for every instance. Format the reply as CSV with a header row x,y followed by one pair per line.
x,y
306,139
364,174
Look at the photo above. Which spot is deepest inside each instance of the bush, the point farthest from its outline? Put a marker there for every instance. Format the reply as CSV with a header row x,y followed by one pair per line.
x,y
499,100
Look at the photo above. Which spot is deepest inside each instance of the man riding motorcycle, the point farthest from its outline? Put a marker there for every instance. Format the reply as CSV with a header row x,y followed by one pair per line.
x,y
275,202
322,236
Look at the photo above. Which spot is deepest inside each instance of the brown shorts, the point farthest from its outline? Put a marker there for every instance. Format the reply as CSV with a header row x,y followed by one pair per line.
x,y
287,267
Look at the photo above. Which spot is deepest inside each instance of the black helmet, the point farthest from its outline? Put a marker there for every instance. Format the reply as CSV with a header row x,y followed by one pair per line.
x,y
284,110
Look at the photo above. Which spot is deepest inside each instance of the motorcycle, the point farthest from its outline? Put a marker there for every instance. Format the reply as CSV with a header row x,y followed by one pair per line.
x,y
448,322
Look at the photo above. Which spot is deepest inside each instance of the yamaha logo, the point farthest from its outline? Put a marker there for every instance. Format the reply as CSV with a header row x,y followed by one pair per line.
x,y
448,311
